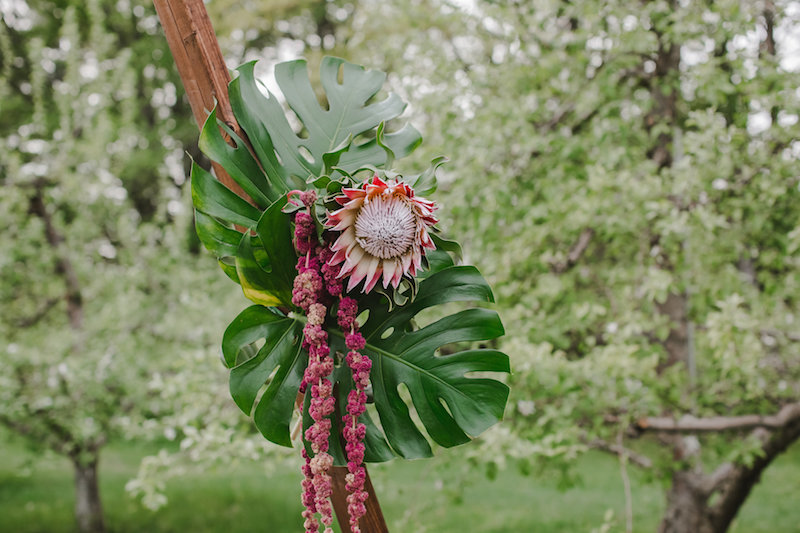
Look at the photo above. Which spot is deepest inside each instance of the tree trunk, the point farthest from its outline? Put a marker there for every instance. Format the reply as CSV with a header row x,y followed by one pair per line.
x,y
708,503
88,509
687,506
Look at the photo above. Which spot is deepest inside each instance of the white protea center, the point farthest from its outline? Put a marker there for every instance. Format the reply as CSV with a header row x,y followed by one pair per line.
x,y
384,233
385,227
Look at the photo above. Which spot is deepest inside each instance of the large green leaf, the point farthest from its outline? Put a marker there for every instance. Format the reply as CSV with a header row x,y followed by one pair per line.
x,y
238,162
279,363
348,116
220,240
214,199
265,262
217,211
278,368
451,405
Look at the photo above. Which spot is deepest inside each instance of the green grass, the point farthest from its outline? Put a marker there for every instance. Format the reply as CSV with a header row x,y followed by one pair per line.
x,y
36,495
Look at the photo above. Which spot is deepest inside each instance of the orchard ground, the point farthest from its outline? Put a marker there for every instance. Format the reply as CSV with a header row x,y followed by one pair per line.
x,y
36,495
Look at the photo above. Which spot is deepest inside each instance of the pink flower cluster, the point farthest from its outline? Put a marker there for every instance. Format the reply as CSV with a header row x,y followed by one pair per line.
x,y
353,431
309,496
315,286
308,295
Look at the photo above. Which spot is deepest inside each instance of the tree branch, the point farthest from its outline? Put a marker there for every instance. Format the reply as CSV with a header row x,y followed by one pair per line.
x,y
64,266
15,426
715,480
690,424
735,487
59,445
768,44
620,451
32,320
789,336
576,251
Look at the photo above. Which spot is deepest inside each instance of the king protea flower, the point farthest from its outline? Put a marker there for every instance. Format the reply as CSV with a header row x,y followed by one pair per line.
x,y
384,233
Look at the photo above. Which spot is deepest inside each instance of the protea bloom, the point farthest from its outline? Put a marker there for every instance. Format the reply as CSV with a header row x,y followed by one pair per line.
x,y
384,233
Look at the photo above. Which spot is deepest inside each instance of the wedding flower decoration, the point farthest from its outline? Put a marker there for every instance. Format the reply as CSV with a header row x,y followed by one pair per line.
x,y
326,220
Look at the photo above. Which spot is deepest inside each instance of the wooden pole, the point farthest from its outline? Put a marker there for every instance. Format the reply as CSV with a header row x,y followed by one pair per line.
x,y
200,65
372,521
205,78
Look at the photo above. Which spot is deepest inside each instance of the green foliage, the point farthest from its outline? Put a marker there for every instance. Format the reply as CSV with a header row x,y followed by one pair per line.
x,y
451,406
443,494
548,112
249,372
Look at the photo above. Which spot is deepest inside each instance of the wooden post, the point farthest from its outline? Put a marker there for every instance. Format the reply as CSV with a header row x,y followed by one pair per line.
x,y
205,78
372,521
200,65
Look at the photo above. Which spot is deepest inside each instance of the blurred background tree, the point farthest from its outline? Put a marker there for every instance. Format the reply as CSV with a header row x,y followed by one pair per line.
x,y
102,324
625,174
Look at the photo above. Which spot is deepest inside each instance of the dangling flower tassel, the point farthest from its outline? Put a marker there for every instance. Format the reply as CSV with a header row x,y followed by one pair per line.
x,y
353,431
320,365
309,497
318,279
307,294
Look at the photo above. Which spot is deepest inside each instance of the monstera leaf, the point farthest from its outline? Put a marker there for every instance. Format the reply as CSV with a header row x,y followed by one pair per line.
x,y
265,263
451,405
327,130
281,351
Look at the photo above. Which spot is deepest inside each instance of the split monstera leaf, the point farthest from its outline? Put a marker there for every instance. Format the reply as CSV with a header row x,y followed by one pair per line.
x,y
454,395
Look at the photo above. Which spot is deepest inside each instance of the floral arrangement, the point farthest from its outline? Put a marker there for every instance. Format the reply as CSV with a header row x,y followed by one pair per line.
x,y
340,253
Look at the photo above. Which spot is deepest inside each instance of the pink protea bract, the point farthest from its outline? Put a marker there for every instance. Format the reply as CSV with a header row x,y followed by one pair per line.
x,y
384,233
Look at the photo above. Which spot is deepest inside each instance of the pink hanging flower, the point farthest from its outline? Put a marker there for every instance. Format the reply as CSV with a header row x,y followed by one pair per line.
x,y
384,233
353,431
308,291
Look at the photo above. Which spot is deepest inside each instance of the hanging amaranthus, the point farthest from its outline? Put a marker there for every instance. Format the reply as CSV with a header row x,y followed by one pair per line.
x,y
308,294
384,232
353,431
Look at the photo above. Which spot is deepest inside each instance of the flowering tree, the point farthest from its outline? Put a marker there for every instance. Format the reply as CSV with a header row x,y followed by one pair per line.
x,y
638,163
637,211
99,334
